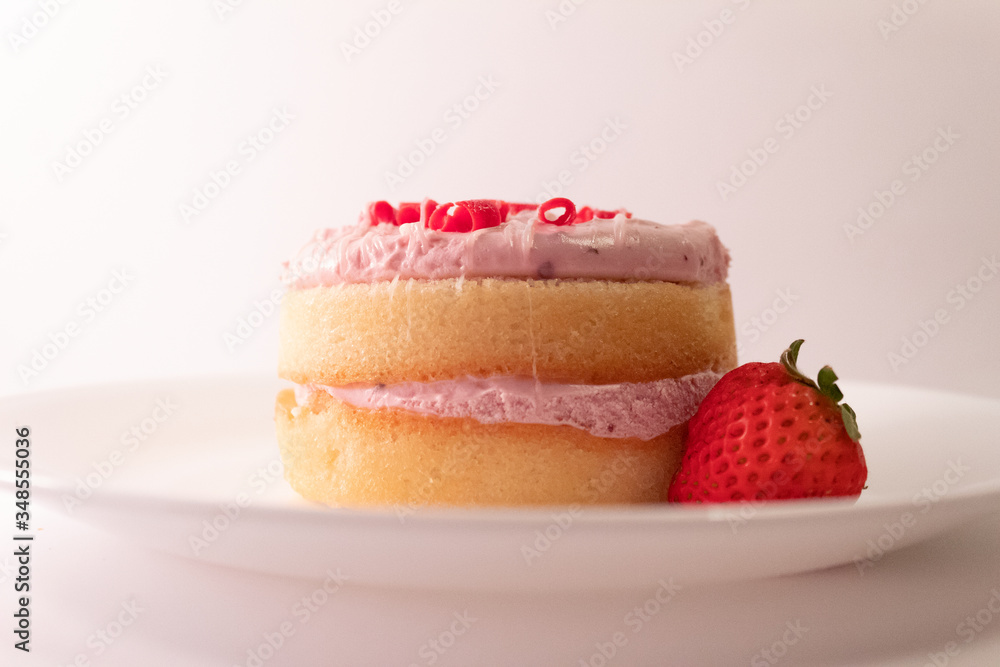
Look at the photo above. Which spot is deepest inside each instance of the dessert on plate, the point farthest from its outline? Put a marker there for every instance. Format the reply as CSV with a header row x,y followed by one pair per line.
x,y
491,353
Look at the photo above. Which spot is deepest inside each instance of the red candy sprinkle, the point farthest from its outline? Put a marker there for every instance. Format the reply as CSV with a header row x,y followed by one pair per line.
x,y
586,214
466,216
381,211
472,214
451,218
408,212
427,207
415,212
485,212
516,208
565,218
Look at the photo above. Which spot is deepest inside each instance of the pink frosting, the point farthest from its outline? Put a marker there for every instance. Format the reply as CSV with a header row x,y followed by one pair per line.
x,y
606,249
625,410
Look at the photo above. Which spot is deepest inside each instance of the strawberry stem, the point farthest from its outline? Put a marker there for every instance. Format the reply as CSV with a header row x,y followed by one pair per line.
x,y
826,386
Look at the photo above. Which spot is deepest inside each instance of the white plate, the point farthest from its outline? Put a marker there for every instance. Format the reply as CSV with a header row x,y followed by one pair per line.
x,y
934,461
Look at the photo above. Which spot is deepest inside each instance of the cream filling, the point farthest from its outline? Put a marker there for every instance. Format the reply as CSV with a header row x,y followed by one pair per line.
x,y
624,410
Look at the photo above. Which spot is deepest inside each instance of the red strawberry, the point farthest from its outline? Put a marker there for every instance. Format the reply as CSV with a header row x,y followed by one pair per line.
x,y
765,431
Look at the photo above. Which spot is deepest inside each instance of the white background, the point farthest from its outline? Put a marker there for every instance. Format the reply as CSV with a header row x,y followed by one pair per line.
x,y
686,126
855,297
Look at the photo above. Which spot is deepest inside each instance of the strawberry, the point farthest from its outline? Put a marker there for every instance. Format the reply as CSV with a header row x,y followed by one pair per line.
x,y
765,431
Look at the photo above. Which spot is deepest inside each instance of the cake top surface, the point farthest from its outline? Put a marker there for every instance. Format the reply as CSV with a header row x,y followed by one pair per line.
x,y
491,238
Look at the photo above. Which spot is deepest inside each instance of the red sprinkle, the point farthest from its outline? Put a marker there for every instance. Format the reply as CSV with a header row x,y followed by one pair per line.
x,y
485,212
565,218
466,216
381,211
472,214
515,208
451,218
408,212
427,207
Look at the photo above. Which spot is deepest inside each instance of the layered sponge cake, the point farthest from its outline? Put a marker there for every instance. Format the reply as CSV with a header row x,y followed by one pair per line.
x,y
487,353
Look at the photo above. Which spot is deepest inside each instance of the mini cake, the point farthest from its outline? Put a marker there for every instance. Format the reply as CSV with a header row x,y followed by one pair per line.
x,y
489,353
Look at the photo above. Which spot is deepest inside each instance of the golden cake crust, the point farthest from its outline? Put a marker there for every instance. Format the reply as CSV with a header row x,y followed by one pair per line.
x,y
571,331
341,455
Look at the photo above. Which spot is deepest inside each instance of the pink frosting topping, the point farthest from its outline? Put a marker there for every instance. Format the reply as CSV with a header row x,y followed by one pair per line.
x,y
624,410
619,248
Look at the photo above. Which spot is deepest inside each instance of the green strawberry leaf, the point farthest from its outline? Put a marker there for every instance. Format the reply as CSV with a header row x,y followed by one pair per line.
x,y
827,386
790,357
850,422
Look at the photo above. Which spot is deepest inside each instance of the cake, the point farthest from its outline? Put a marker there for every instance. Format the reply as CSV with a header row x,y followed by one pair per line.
x,y
490,353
